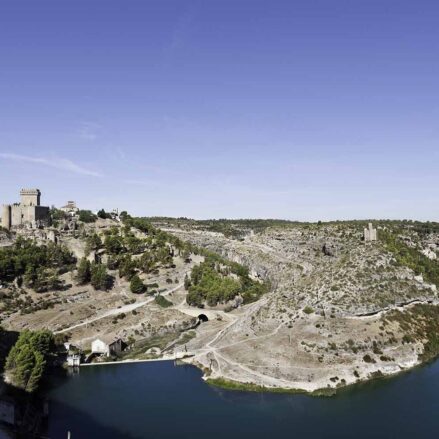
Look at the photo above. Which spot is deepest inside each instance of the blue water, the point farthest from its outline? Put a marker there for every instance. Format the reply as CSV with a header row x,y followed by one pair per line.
x,y
160,400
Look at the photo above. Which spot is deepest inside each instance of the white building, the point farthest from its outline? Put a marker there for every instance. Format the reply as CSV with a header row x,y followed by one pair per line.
x,y
70,208
106,346
73,360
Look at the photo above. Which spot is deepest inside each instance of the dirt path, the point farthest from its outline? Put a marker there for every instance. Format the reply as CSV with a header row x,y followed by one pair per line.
x,y
115,311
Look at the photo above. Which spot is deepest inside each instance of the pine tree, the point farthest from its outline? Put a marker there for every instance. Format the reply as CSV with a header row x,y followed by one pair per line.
x,y
37,372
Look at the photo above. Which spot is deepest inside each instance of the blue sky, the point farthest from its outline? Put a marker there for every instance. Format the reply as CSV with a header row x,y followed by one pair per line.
x,y
301,110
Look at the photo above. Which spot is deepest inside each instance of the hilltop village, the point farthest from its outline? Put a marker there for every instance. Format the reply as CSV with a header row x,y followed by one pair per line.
x,y
257,304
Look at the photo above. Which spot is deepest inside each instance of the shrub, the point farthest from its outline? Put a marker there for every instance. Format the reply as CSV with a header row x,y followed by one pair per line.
x,y
162,301
368,359
84,272
136,285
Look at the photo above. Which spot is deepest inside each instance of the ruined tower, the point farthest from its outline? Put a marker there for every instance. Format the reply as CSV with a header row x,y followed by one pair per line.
x,y
370,234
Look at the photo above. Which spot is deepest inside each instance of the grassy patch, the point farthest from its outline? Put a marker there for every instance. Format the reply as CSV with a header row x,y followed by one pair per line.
x,y
186,337
249,387
162,301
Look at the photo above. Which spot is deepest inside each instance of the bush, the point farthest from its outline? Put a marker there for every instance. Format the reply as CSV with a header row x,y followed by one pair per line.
x,y
136,285
368,359
86,216
162,301
104,215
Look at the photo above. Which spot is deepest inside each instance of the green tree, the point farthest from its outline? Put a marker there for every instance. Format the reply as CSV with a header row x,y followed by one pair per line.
x,y
100,279
26,360
84,272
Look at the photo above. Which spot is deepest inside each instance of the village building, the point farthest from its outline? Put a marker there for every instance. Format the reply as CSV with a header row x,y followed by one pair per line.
x,y
70,208
370,234
107,346
27,213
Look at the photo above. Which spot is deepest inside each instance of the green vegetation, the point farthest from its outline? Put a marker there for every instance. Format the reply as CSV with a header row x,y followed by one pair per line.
x,y
56,215
420,323
136,285
249,387
217,280
186,337
93,242
104,215
38,266
368,359
156,249
86,216
411,257
26,361
138,349
308,310
162,301
230,228
84,272
99,278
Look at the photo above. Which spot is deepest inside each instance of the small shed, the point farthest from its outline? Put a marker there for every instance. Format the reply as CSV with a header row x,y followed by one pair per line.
x,y
73,360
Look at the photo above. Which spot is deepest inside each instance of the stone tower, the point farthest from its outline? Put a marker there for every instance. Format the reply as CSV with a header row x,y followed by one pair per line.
x,y
370,234
6,216
30,197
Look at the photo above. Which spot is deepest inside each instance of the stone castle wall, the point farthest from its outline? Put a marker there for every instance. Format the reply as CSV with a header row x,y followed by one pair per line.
x,y
28,212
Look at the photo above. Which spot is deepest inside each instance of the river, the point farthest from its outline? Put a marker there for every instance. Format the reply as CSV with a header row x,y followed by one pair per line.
x,y
160,400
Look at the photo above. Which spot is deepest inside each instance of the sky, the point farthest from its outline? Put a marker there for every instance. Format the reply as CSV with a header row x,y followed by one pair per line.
x,y
300,109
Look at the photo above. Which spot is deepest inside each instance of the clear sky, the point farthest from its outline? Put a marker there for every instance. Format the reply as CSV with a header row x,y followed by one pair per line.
x,y
291,109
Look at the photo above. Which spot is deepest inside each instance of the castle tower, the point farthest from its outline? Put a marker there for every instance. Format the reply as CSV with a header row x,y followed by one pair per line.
x,y
6,216
30,197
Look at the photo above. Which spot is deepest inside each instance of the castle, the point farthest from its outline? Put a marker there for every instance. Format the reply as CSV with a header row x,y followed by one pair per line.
x,y
27,213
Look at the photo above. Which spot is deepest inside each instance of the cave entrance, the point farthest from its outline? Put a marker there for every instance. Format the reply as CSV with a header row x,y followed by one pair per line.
x,y
203,318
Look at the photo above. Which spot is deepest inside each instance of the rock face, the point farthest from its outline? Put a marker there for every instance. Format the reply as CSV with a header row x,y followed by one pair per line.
x,y
324,324
429,253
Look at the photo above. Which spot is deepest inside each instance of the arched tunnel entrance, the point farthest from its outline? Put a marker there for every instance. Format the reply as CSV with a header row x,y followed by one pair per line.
x,y
203,318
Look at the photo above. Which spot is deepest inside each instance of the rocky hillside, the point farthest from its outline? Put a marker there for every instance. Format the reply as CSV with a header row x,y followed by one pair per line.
x,y
326,321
